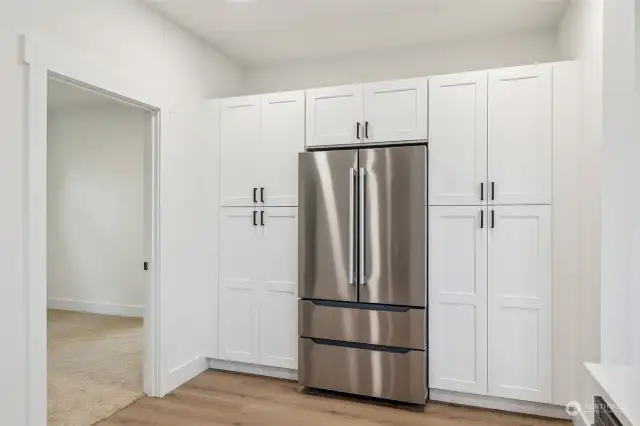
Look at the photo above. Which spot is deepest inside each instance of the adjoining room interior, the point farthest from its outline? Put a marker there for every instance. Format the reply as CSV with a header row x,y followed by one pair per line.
x,y
95,250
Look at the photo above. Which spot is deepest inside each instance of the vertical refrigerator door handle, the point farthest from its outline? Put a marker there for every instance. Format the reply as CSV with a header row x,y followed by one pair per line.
x,y
352,224
361,226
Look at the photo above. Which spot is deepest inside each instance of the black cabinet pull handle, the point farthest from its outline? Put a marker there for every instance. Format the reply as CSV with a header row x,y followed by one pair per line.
x,y
481,219
262,195
366,130
493,191
255,195
358,130
493,219
255,218
262,218
481,191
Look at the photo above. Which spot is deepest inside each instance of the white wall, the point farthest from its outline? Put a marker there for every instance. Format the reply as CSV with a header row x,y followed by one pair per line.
x,y
13,366
95,209
620,194
124,37
509,50
603,35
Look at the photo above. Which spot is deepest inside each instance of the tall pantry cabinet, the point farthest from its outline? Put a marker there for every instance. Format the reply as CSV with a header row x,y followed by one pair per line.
x,y
490,193
260,138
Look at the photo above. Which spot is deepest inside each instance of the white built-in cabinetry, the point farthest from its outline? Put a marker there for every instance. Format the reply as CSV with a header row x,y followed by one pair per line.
x,y
520,135
260,138
458,298
490,138
239,138
238,285
388,111
519,296
258,286
490,174
458,139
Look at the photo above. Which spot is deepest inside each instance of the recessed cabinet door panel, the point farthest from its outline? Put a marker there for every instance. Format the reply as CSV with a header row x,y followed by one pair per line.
x,y
520,303
458,299
458,139
278,288
282,138
396,110
239,141
239,298
333,114
520,135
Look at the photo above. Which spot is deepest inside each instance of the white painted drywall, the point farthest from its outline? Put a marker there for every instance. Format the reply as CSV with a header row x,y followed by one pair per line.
x,y
603,36
13,365
566,233
466,55
620,177
131,42
580,37
95,209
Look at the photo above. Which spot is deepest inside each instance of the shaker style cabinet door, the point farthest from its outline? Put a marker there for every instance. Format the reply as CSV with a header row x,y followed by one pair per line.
x,y
239,286
278,287
335,115
520,135
396,110
458,299
282,138
458,139
520,328
239,142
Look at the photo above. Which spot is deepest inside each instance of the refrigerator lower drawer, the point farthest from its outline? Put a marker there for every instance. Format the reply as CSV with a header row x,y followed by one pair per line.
x,y
401,328
389,375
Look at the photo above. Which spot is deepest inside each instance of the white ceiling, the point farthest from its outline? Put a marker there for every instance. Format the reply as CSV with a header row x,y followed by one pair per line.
x,y
258,31
62,95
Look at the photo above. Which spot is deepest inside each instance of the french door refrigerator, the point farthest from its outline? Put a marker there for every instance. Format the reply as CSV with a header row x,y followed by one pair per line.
x,y
362,275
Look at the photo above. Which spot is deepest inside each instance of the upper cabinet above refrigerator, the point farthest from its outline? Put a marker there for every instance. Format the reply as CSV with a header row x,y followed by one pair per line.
x,y
335,116
389,111
396,110
260,138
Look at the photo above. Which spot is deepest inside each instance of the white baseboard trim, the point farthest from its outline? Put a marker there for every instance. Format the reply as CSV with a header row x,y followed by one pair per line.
x,y
96,308
183,373
255,370
501,404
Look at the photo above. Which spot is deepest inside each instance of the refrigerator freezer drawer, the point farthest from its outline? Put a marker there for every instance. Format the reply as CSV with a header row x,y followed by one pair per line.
x,y
389,375
400,327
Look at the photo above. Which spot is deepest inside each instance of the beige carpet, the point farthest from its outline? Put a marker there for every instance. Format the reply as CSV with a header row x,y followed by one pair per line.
x,y
95,366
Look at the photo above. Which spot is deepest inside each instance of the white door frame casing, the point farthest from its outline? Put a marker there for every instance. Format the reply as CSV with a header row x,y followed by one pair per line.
x,y
42,61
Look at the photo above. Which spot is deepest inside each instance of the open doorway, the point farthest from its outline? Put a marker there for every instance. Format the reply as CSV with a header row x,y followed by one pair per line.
x,y
98,235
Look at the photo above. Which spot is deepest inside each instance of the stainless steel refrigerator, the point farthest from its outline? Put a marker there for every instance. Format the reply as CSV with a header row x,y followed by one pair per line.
x,y
362,277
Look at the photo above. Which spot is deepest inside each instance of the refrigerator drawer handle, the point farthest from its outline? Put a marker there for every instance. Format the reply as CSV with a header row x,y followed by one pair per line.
x,y
361,226
352,225
354,345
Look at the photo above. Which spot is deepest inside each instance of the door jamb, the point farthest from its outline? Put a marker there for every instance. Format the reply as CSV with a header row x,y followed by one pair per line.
x,y
41,62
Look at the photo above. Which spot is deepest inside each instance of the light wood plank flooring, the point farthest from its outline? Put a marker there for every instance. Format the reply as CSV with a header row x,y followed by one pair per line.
x,y
216,398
